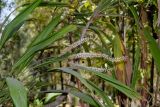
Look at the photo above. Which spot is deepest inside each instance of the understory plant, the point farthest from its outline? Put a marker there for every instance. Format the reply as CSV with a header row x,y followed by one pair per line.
x,y
87,53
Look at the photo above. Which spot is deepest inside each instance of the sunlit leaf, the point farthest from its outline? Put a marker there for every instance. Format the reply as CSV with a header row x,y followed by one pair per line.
x,y
44,43
16,23
17,92
84,97
113,82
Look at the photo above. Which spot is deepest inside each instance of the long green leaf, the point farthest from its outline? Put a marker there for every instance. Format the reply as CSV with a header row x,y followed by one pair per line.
x,y
17,92
85,97
135,75
118,85
89,85
77,75
45,33
17,22
50,4
102,94
54,4
84,81
52,60
153,46
34,49
134,12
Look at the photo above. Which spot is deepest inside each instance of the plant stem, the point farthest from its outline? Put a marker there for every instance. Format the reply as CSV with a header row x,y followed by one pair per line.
x,y
158,79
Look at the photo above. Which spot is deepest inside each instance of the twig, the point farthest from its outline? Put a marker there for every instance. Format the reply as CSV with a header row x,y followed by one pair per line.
x,y
95,14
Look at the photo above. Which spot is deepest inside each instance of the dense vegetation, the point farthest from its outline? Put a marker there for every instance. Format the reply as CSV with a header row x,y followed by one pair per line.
x,y
86,53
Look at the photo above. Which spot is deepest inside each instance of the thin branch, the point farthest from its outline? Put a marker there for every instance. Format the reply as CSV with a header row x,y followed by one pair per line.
x,y
95,14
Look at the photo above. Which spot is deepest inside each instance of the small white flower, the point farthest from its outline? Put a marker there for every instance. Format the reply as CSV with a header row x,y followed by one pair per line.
x,y
78,66
74,45
97,55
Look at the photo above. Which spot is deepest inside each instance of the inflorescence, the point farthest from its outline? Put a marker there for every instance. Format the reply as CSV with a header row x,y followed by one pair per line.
x,y
74,45
78,66
97,55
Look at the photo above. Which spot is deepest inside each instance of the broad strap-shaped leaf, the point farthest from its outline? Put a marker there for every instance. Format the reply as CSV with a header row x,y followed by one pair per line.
x,y
51,60
50,4
106,99
83,81
84,97
18,92
113,82
76,74
17,22
118,52
54,4
6,19
118,85
73,91
45,33
153,46
42,44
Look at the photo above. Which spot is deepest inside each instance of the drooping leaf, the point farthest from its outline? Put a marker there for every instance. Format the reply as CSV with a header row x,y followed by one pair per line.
x,y
18,92
17,22
113,82
42,44
108,102
87,84
118,85
45,33
50,4
53,4
153,46
51,60
85,97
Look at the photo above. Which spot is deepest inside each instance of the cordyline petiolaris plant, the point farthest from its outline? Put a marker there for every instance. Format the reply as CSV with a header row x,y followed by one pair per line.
x,y
86,53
